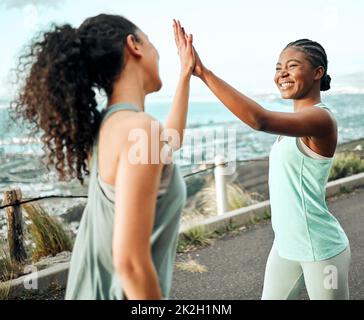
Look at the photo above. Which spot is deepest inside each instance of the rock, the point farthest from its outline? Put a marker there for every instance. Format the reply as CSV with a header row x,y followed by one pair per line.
x,y
359,147
74,213
49,261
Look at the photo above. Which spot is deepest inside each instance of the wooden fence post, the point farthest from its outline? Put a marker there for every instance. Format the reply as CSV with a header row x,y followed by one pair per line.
x,y
14,219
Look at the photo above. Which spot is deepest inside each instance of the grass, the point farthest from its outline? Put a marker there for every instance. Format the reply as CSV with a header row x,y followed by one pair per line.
x,y
198,237
48,237
346,164
46,232
267,215
344,189
8,270
230,227
236,196
191,266
5,273
191,216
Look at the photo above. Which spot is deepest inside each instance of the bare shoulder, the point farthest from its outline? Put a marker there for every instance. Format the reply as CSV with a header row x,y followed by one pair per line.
x,y
328,116
322,115
122,122
126,124
143,120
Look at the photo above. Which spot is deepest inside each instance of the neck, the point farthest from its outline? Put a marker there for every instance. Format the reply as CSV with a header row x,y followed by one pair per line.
x,y
128,89
306,102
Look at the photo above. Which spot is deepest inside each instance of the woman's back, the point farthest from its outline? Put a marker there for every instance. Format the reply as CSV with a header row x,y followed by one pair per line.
x,y
92,274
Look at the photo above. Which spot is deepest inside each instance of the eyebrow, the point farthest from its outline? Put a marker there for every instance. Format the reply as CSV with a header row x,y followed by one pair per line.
x,y
290,60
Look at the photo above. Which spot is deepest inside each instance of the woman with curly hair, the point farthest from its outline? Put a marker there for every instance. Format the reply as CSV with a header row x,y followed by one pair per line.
x,y
310,247
126,243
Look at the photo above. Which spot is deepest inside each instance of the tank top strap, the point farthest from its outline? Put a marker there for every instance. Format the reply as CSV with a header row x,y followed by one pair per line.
x,y
323,106
109,111
105,114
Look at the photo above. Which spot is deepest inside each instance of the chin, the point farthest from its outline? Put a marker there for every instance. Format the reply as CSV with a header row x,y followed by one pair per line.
x,y
160,85
155,87
287,95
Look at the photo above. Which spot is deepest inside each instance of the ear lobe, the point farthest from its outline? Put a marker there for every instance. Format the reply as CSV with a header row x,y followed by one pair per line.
x,y
133,46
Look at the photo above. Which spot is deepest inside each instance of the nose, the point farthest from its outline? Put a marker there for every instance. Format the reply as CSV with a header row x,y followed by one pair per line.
x,y
283,72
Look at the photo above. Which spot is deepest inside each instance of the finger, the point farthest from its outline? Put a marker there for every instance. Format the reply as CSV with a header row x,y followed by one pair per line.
x,y
190,44
175,32
184,36
179,32
175,28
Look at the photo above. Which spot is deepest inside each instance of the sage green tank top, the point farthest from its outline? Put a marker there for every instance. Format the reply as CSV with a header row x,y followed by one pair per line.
x,y
92,275
304,228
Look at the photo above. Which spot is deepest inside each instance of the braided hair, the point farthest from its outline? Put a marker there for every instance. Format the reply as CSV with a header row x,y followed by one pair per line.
x,y
316,54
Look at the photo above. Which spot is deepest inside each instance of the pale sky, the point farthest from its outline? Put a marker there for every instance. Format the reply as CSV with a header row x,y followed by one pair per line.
x,y
239,40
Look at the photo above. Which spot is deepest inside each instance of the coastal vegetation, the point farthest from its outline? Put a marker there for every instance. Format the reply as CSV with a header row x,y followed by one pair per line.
x,y
346,164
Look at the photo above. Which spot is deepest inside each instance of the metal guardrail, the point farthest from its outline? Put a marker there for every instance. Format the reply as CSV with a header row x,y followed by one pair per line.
x,y
210,167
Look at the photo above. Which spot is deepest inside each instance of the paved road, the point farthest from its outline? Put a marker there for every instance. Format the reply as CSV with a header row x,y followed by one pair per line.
x,y
236,264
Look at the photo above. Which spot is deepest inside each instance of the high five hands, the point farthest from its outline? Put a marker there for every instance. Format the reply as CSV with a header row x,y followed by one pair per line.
x,y
190,60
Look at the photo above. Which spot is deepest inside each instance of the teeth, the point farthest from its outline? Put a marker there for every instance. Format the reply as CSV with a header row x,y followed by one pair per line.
x,y
286,85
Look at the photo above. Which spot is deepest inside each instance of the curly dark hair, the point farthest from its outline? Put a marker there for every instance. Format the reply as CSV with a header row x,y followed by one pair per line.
x,y
59,75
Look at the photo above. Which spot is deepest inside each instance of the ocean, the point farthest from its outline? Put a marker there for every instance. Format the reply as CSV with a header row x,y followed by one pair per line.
x,y
209,125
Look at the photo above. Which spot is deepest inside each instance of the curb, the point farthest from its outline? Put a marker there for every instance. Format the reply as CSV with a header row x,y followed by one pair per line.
x,y
344,184
43,280
57,275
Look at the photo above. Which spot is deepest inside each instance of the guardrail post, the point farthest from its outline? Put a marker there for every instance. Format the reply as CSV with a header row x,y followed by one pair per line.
x,y
220,186
14,218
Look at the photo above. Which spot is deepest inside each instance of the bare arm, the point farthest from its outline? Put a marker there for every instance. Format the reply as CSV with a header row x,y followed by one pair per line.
x,y
136,189
311,122
177,116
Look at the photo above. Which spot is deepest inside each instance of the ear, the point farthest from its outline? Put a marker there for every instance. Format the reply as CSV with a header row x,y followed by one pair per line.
x,y
319,73
133,46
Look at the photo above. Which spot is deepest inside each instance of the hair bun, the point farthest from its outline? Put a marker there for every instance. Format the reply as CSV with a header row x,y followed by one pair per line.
x,y
325,83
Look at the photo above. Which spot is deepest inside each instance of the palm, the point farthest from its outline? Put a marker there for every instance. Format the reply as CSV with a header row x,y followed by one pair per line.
x,y
185,48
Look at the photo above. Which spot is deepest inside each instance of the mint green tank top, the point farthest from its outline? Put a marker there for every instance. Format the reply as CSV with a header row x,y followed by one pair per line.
x,y
92,275
303,226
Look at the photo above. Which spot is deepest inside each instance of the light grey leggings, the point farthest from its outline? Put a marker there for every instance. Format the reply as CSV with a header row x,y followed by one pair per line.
x,y
324,280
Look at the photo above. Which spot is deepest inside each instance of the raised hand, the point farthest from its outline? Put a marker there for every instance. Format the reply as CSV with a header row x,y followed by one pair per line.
x,y
200,69
185,48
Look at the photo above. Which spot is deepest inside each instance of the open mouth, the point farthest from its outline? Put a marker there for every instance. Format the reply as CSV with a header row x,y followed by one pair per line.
x,y
286,85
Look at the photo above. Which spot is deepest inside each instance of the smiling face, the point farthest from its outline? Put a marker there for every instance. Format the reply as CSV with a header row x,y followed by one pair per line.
x,y
295,76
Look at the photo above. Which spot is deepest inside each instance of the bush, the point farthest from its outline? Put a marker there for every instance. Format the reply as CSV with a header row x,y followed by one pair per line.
x,y
346,164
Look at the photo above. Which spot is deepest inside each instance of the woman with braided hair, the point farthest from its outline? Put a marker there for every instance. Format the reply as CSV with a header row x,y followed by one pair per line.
x,y
310,247
126,243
